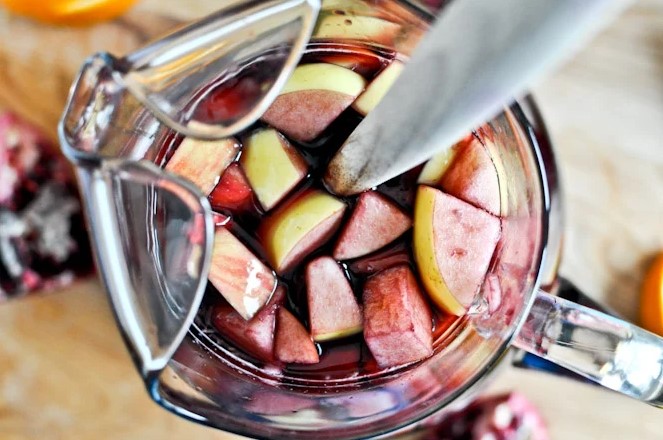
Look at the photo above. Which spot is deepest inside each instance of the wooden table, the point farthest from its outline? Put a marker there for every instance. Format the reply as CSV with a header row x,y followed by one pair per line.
x,y
65,374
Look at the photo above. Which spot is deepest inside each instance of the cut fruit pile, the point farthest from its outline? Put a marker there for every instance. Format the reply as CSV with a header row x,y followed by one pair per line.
x,y
300,271
43,244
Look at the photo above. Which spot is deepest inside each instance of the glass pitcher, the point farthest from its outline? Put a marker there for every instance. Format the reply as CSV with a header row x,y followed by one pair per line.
x,y
152,233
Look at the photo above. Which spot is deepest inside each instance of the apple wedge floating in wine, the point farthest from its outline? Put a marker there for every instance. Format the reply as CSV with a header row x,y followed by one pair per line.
x,y
314,96
453,245
375,222
241,278
397,320
437,166
473,177
299,227
332,306
256,337
293,344
272,166
233,191
202,162
379,87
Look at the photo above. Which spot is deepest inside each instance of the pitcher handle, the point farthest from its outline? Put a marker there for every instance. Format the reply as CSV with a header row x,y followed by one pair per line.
x,y
609,351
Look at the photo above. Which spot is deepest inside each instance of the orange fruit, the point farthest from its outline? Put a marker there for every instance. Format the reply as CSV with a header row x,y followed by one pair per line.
x,y
68,12
651,297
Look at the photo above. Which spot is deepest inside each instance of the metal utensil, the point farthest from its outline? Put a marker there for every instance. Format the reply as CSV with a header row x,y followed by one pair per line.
x,y
478,55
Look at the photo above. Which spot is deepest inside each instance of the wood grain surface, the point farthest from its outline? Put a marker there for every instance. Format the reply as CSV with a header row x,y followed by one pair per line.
x,y
64,373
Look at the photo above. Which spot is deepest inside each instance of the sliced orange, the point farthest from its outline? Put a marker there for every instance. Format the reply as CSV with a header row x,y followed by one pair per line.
x,y
651,298
69,12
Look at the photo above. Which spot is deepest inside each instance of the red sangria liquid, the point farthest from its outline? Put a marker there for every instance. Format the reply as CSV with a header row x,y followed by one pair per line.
x,y
311,286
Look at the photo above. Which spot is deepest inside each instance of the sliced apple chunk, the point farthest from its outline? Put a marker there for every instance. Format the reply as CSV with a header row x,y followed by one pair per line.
x,y
453,245
357,27
256,337
293,344
375,222
398,326
202,162
233,191
314,96
437,166
379,87
299,227
272,166
332,306
472,177
243,280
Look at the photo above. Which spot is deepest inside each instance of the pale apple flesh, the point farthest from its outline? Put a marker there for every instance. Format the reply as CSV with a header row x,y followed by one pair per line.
x,y
332,306
293,344
241,278
202,162
397,319
300,226
357,27
437,166
378,88
314,96
272,166
453,246
375,222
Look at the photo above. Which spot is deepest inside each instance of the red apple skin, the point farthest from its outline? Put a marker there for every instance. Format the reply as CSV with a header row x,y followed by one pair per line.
x,y
233,191
305,114
472,177
397,319
255,337
239,276
293,344
375,222
333,309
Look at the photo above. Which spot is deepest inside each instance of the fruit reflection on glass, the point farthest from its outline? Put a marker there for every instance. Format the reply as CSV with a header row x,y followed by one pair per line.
x,y
309,284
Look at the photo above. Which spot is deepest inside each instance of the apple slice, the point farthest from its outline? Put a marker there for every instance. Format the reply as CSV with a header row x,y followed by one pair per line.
x,y
332,306
243,280
397,320
472,177
293,344
357,27
453,245
437,166
233,191
314,96
272,166
379,87
299,227
202,162
255,337
375,222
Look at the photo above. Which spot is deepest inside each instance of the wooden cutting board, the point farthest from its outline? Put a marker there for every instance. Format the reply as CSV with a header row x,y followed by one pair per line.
x,y
64,372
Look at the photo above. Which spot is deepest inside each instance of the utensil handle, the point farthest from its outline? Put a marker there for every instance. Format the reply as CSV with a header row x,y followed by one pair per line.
x,y
609,351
